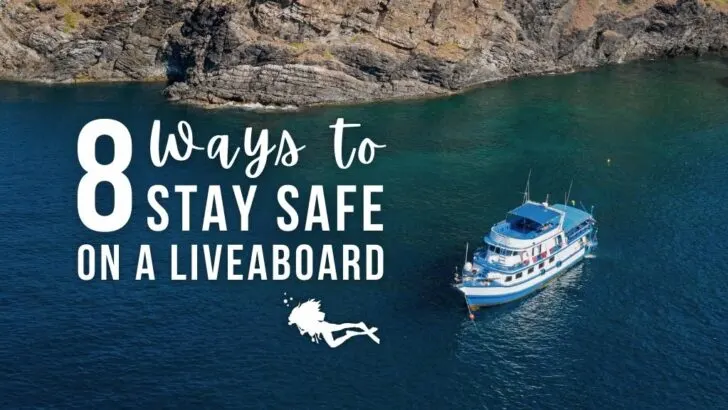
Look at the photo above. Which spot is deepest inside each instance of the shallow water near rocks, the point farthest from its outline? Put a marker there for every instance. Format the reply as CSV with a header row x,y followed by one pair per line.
x,y
642,325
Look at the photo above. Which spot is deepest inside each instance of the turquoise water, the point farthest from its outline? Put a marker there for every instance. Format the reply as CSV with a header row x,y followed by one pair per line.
x,y
644,325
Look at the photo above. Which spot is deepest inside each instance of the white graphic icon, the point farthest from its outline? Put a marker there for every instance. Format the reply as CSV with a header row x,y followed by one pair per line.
x,y
309,319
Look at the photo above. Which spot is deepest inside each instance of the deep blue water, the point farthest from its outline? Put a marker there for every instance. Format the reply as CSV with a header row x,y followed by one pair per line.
x,y
644,325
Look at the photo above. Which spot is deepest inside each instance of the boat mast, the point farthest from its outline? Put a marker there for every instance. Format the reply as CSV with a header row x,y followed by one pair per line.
x,y
566,199
527,192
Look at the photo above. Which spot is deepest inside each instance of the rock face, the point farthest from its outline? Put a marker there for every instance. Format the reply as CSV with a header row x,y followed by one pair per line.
x,y
304,52
70,40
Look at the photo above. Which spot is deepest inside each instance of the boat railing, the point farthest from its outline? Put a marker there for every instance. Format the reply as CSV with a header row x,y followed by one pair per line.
x,y
578,232
499,237
475,282
497,265
481,260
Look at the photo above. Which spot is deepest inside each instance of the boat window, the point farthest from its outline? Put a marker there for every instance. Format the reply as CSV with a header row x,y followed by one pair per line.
x,y
551,260
540,265
491,248
519,274
530,271
508,278
498,250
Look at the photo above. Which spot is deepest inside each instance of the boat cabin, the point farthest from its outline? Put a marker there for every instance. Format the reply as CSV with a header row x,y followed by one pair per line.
x,y
528,234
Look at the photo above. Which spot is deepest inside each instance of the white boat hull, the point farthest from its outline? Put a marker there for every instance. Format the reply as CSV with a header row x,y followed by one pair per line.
x,y
479,296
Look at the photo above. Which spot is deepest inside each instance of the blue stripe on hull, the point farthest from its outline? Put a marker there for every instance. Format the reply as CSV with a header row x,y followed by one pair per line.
x,y
483,301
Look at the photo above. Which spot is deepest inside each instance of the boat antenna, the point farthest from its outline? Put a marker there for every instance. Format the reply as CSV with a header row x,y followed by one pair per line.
x,y
527,192
547,199
566,199
466,252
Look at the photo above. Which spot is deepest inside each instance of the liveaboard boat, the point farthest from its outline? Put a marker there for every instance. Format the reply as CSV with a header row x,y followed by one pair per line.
x,y
533,245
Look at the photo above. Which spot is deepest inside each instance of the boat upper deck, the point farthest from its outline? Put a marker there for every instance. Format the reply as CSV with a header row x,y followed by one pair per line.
x,y
528,221
573,217
506,229
534,213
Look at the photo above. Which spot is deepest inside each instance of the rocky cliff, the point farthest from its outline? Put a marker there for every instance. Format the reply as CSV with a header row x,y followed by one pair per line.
x,y
303,52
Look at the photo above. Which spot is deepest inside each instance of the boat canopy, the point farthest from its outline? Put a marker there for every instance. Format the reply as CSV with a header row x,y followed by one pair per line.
x,y
573,216
533,215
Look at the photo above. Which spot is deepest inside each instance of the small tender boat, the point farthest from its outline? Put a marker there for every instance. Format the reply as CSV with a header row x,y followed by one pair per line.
x,y
534,244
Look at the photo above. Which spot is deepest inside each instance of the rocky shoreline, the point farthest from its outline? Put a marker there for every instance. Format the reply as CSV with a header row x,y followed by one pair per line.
x,y
308,52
